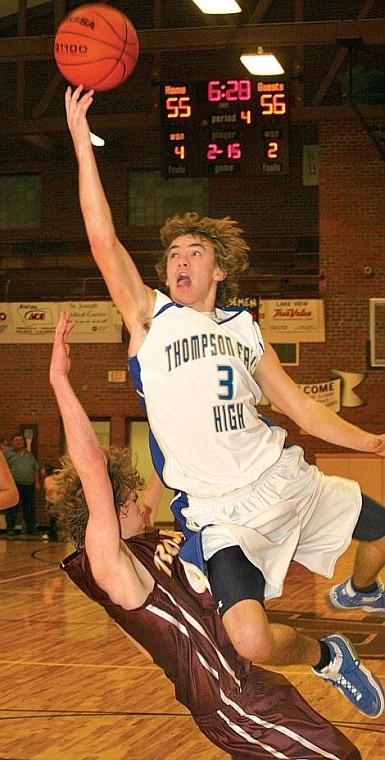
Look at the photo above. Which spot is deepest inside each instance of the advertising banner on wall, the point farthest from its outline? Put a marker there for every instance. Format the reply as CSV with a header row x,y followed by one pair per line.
x,y
298,320
334,393
96,322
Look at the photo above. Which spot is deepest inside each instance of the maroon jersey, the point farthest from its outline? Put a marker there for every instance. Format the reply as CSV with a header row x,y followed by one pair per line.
x,y
246,711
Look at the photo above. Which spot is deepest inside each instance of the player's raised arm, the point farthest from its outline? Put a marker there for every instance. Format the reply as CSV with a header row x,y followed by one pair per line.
x,y
83,446
111,565
132,297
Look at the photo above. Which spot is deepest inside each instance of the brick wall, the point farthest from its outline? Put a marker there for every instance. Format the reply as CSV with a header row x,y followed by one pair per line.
x,y
352,236
351,223
27,397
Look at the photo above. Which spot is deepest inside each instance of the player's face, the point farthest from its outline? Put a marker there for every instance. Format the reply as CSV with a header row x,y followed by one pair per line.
x,y
192,272
131,516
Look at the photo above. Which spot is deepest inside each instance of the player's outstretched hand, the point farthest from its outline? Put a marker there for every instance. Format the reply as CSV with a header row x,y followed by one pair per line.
x,y
60,358
77,103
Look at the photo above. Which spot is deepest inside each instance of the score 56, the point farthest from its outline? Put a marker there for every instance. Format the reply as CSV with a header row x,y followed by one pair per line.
x,y
272,104
178,107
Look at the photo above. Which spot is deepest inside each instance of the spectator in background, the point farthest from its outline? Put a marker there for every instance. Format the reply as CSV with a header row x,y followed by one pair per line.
x,y
4,444
47,473
24,469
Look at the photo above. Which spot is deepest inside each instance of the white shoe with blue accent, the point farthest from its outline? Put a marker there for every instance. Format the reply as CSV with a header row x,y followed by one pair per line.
x,y
346,672
344,597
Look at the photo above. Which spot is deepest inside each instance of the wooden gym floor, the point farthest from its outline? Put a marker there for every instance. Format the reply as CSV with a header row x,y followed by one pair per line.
x,y
73,688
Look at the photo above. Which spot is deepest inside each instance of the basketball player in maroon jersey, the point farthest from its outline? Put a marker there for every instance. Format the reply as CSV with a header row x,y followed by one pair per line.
x,y
246,711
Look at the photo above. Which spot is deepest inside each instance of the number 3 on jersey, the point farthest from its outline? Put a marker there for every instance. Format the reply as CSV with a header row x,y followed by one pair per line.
x,y
226,381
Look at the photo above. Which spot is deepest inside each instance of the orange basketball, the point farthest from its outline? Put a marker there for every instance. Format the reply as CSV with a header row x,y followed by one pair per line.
x,y
96,46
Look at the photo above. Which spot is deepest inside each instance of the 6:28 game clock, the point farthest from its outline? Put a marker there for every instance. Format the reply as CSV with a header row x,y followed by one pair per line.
x,y
232,90
219,127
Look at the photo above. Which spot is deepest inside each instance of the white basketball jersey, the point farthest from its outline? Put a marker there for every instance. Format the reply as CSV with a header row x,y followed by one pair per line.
x,y
194,374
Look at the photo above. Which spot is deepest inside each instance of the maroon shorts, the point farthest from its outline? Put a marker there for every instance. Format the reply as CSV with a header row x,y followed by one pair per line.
x,y
271,716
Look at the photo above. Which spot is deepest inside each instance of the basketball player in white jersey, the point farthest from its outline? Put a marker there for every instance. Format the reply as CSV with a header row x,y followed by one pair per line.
x,y
200,370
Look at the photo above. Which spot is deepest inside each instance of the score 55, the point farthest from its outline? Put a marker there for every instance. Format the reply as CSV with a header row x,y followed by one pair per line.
x,y
178,107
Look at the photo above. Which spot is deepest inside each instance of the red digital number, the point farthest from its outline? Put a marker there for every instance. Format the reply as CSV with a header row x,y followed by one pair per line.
x,y
231,90
213,152
238,89
214,92
234,151
244,89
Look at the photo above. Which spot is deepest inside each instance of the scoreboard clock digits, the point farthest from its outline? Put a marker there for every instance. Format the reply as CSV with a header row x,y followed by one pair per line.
x,y
231,90
231,126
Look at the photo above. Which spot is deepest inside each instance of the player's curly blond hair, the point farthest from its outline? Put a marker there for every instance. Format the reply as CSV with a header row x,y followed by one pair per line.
x,y
231,250
70,503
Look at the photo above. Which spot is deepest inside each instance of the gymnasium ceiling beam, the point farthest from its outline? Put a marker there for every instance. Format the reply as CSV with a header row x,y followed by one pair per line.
x,y
370,31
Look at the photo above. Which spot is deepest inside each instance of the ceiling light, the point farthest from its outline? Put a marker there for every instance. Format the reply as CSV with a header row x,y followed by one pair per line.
x,y
264,64
218,6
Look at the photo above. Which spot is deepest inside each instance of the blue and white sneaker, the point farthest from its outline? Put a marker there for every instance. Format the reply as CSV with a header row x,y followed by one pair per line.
x,y
344,597
346,672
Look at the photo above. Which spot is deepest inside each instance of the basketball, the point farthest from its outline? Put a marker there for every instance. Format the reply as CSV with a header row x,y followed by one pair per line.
x,y
96,46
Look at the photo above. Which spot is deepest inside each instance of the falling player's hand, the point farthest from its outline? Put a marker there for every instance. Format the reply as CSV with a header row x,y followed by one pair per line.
x,y
60,358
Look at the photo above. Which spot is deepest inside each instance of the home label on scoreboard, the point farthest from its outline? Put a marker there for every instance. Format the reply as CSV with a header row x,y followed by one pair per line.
x,y
224,127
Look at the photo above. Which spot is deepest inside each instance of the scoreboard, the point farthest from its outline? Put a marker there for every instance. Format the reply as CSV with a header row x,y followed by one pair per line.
x,y
219,127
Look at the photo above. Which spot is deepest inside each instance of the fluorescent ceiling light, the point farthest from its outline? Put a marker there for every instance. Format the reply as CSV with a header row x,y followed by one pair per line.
x,y
218,6
97,141
264,64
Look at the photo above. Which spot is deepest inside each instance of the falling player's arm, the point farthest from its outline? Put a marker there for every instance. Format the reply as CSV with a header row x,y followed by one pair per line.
x,y
111,564
133,298
313,417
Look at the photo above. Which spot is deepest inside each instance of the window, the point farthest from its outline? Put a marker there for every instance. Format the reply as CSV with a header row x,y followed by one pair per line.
x,y
102,428
20,201
137,438
288,353
152,198
377,332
